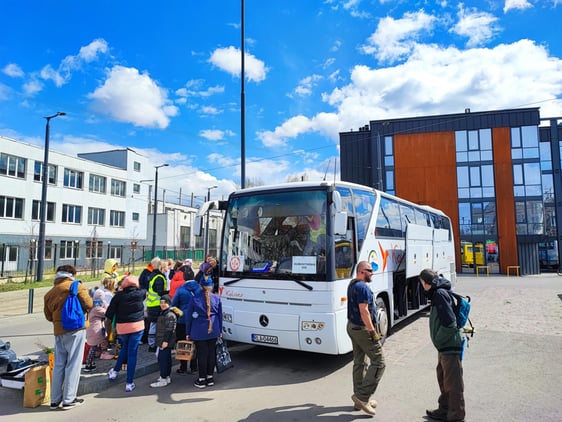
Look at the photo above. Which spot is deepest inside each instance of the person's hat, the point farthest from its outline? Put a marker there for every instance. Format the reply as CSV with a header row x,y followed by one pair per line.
x,y
206,281
188,261
166,298
206,268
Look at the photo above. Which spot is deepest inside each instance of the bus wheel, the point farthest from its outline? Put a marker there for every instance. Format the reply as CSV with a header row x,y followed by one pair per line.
x,y
383,319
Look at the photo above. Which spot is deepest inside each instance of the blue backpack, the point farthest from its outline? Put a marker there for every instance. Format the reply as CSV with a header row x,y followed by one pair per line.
x,y
461,308
72,313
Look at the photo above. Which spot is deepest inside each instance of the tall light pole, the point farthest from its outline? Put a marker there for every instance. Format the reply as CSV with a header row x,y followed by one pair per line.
x,y
43,205
242,105
155,209
207,224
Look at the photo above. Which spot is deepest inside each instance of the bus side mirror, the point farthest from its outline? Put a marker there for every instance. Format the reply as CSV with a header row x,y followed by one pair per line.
x,y
198,226
340,223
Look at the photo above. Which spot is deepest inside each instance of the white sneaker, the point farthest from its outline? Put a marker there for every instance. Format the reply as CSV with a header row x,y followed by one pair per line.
x,y
130,387
160,383
112,374
168,379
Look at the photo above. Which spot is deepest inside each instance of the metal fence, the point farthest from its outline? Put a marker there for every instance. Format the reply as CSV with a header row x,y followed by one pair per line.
x,y
20,260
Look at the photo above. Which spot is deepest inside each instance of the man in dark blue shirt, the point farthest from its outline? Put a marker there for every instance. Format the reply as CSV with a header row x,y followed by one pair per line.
x,y
365,339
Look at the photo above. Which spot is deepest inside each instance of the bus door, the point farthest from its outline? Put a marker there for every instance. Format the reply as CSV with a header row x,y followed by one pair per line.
x,y
419,255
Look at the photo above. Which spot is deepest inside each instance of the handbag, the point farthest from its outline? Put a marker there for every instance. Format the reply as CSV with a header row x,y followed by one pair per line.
x,y
224,360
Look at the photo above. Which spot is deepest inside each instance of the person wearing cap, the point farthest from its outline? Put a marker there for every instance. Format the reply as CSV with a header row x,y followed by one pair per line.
x,y
447,339
69,345
165,339
127,306
203,325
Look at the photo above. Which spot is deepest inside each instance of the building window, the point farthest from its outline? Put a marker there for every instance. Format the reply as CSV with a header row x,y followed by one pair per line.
x,y
94,249
527,179
185,236
136,188
118,187
117,218
136,166
529,217
136,216
38,173
97,183
11,207
48,249
10,165
71,214
524,142
36,213
73,179
68,249
96,216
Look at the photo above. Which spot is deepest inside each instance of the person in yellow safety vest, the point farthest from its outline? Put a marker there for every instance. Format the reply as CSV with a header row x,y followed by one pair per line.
x,y
157,287
316,235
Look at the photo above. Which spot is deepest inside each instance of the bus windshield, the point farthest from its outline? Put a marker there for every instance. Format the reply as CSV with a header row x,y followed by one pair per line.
x,y
279,234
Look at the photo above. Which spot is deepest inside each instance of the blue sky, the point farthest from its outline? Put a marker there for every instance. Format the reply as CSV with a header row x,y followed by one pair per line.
x,y
164,78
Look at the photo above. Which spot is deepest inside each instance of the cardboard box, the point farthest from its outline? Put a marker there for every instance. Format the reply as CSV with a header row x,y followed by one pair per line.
x,y
37,386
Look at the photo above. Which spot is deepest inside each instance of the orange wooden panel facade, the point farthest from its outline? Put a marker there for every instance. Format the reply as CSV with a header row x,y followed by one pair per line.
x,y
426,173
505,203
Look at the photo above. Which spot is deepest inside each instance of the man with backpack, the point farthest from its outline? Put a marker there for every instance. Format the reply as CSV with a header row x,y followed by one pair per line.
x,y
69,341
447,339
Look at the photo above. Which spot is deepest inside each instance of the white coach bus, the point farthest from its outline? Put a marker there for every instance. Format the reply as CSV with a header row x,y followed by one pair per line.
x,y
289,251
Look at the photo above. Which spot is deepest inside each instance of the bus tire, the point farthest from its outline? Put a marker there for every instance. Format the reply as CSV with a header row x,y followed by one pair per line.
x,y
383,319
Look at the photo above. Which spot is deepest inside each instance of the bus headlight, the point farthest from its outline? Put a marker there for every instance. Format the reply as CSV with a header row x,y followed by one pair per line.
x,y
312,325
226,317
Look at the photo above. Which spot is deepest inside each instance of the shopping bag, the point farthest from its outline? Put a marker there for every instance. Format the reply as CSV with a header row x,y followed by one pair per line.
x,y
37,387
224,361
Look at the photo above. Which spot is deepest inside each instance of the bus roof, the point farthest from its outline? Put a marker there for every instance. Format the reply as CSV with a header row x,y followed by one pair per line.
x,y
313,184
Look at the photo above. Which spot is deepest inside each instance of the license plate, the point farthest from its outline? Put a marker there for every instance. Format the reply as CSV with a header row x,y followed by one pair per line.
x,y
262,338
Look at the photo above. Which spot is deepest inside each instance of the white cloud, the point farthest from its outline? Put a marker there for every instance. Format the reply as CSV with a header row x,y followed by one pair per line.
x,y
194,88
129,96
228,59
212,134
71,63
395,38
4,92
478,27
210,110
307,84
516,4
324,123
32,87
13,70
435,80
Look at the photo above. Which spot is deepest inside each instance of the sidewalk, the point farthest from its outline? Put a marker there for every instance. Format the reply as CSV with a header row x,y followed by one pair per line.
x,y
24,331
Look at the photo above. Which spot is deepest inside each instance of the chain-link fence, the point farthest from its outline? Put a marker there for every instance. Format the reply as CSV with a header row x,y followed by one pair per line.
x,y
19,261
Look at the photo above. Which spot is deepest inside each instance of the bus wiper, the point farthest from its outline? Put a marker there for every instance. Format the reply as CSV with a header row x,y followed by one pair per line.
x,y
228,283
302,283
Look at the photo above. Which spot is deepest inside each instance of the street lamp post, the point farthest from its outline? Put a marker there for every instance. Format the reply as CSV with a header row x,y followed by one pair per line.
x,y
207,223
43,205
155,209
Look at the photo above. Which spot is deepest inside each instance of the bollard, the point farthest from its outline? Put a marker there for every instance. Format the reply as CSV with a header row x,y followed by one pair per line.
x,y
30,302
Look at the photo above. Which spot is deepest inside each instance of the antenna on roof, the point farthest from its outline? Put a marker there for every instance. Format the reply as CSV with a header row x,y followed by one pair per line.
x,y
327,168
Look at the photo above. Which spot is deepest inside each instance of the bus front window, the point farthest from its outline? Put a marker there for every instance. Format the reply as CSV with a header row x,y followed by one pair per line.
x,y
281,233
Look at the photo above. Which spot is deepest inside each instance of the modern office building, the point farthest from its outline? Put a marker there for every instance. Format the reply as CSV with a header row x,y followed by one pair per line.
x,y
497,174
99,206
